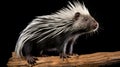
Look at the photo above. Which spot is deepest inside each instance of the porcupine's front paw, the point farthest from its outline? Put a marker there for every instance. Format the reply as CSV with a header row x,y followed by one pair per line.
x,y
64,56
31,60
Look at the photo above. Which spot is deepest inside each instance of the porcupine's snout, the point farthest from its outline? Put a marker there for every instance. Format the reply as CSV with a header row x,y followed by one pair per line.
x,y
94,25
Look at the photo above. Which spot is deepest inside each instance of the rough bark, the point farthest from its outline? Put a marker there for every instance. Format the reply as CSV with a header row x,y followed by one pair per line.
x,y
88,60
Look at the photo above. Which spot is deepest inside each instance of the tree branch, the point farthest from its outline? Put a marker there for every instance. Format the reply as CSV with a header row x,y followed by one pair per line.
x,y
87,60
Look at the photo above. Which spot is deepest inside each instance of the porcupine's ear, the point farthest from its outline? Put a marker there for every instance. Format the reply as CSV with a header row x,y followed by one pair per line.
x,y
76,16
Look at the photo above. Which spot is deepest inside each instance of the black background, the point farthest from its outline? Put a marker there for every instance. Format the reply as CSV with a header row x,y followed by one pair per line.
x,y
16,16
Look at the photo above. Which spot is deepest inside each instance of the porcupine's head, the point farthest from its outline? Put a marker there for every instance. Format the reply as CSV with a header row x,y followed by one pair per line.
x,y
80,19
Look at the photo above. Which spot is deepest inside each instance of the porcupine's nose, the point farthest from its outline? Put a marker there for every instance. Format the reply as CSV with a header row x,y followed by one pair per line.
x,y
95,25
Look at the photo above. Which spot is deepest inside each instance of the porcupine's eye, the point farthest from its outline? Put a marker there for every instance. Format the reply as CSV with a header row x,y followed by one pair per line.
x,y
85,19
76,16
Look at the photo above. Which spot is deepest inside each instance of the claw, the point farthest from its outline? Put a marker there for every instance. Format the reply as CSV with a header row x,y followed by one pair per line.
x,y
64,56
31,60
35,58
71,54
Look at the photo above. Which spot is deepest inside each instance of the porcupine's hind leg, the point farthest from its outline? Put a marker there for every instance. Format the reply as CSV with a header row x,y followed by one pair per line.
x,y
27,50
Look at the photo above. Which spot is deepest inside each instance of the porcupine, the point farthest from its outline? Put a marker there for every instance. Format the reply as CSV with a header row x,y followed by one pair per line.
x,y
55,31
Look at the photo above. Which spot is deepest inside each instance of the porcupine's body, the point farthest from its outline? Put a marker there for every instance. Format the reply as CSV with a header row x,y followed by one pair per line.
x,y
55,31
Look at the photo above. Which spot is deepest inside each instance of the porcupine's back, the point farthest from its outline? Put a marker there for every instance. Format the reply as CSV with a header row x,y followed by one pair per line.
x,y
50,26
39,30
